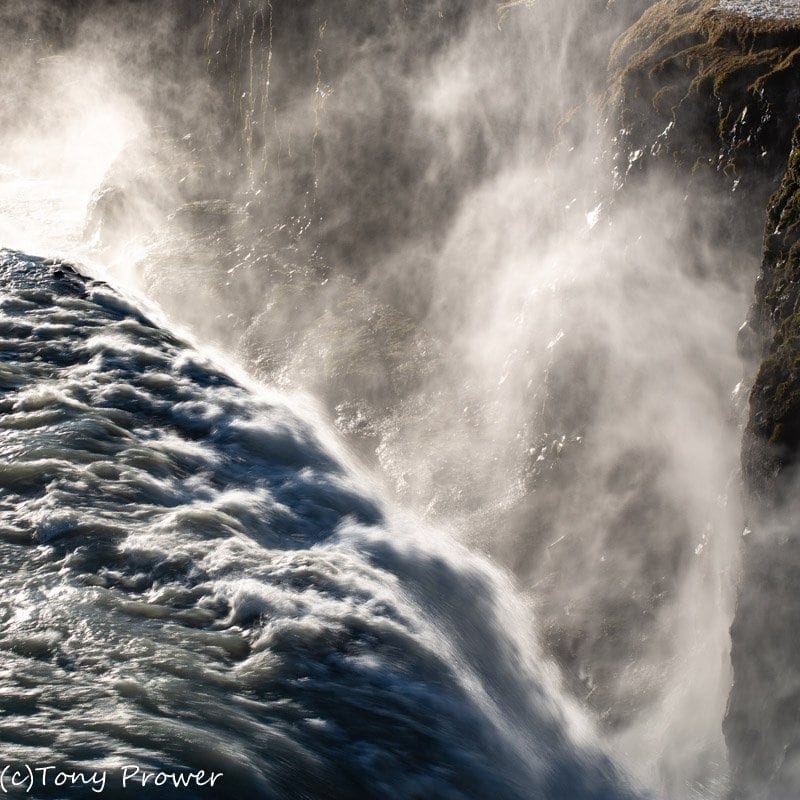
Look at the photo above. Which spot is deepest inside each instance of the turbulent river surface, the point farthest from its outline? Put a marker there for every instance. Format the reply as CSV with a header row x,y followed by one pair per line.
x,y
194,578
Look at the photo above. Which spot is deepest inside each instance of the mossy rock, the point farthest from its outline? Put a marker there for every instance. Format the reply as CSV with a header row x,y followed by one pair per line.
x,y
695,86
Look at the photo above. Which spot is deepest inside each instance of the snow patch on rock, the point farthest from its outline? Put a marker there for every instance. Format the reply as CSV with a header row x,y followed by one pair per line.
x,y
775,9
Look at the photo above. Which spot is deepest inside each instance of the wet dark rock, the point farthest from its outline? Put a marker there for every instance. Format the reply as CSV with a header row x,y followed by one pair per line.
x,y
762,723
772,438
709,97
748,343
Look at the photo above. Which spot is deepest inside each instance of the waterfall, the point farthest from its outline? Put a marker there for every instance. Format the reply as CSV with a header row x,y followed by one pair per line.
x,y
401,460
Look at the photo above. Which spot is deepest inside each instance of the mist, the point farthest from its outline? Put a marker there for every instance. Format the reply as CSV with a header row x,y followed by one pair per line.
x,y
413,214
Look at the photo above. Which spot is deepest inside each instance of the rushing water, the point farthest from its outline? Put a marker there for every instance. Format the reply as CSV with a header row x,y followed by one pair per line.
x,y
193,579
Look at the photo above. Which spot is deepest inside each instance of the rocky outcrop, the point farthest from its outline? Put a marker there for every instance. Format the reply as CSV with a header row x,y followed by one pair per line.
x,y
711,99
700,87
763,722
772,336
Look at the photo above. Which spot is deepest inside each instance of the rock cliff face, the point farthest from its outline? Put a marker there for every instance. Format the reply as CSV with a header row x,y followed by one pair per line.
x,y
772,439
763,723
712,98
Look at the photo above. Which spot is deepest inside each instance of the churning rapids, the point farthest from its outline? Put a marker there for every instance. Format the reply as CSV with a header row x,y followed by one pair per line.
x,y
193,579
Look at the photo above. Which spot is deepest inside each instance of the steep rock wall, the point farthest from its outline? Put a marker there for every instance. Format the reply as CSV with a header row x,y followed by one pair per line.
x,y
711,98
763,722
